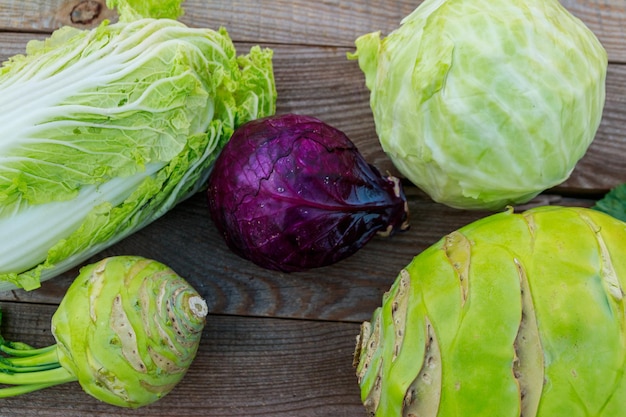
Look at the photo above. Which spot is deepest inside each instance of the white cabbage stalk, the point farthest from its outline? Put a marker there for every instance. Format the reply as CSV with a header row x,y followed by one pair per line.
x,y
103,131
484,103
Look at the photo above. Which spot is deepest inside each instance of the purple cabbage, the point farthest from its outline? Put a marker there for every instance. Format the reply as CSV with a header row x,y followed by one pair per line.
x,y
291,193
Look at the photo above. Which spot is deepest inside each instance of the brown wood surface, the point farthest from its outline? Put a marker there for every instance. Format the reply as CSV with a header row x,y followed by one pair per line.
x,y
281,344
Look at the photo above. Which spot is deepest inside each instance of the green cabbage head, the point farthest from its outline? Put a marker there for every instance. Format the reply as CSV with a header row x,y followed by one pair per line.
x,y
484,103
516,314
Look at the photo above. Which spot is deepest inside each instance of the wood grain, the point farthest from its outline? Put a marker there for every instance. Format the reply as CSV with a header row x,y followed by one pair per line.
x,y
336,23
46,16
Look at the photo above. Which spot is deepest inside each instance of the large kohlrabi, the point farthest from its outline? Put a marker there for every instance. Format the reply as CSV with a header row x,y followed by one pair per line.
x,y
516,314
127,330
102,131
484,103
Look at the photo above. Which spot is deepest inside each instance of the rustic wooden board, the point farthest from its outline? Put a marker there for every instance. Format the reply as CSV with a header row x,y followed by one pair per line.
x,y
336,23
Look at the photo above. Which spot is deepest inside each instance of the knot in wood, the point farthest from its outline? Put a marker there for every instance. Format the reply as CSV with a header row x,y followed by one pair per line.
x,y
85,12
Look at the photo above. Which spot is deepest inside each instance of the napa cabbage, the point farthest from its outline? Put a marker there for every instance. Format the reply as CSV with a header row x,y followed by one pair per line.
x,y
103,131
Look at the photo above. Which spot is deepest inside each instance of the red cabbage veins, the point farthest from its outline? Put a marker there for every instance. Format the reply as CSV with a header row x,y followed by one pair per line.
x,y
290,193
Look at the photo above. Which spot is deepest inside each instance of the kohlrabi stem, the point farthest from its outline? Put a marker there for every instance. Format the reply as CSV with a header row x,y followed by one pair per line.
x,y
25,369
54,376
16,390
46,359
19,349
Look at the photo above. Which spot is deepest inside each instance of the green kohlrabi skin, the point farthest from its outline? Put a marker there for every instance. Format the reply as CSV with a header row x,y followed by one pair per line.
x,y
128,329
102,131
485,103
514,314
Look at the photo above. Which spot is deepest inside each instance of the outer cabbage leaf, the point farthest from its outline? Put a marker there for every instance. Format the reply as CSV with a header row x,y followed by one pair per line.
x,y
103,131
485,103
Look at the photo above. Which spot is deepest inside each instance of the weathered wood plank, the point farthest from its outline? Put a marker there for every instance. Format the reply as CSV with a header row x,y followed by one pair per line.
x,y
13,43
244,367
336,22
46,16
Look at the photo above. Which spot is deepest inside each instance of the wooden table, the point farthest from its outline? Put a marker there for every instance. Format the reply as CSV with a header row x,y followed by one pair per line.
x,y
282,344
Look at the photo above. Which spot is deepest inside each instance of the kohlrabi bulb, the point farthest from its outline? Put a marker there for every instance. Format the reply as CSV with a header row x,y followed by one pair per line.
x,y
516,314
128,329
